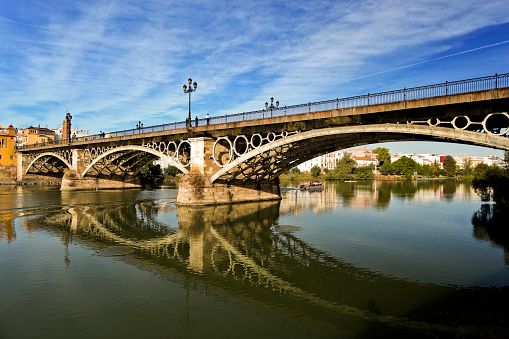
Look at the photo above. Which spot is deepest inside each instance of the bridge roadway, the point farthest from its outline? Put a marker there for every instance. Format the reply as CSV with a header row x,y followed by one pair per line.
x,y
238,158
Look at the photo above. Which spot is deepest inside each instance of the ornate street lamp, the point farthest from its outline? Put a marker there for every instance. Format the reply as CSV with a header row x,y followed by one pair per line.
x,y
190,90
271,107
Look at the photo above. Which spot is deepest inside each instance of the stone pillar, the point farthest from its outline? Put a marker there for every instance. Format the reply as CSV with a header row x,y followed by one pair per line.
x,y
20,167
77,160
195,188
201,156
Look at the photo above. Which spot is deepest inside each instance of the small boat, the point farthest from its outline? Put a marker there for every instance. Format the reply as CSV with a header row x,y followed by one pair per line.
x,y
314,186
350,180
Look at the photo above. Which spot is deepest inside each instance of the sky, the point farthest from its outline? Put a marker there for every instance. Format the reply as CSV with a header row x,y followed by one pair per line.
x,y
112,63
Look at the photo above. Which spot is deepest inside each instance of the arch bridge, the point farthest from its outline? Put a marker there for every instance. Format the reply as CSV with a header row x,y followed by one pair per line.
x,y
239,157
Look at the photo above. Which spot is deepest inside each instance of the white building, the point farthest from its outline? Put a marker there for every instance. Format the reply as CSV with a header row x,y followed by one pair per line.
x,y
59,132
362,157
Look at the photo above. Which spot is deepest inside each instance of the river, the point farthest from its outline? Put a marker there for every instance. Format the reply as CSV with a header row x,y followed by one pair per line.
x,y
360,259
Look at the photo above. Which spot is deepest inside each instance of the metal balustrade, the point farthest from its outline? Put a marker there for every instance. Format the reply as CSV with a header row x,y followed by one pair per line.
x,y
422,92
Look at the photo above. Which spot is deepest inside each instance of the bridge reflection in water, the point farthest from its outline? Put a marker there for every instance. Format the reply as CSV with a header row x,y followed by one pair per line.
x,y
243,251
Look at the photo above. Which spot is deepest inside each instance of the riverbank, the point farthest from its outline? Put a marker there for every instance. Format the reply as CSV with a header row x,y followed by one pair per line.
x,y
306,176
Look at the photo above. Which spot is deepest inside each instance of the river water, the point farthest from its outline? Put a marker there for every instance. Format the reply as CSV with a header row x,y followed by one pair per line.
x,y
360,259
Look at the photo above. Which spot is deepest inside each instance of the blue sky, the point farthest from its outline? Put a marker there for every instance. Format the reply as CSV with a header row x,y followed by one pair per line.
x,y
111,63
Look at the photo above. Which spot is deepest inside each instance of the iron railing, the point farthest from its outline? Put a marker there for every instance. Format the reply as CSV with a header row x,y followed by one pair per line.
x,y
429,91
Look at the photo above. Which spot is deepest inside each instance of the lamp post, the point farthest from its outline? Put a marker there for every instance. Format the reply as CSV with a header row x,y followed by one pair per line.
x,y
190,90
271,107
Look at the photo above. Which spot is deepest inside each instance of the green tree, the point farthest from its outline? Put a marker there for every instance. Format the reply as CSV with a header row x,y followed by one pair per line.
x,y
382,155
346,164
449,166
172,171
364,172
491,183
467,166
315,171
426,171
386,168
295,170
506,159
435,168
405,166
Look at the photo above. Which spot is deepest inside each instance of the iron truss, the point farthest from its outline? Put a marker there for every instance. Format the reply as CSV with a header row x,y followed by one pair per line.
x,y
129,160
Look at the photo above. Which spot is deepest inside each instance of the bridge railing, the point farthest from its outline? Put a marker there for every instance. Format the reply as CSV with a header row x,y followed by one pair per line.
x,y
422,92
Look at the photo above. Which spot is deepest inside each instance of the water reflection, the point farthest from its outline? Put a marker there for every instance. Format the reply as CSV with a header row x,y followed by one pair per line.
x,y
370,194
244,251
490,224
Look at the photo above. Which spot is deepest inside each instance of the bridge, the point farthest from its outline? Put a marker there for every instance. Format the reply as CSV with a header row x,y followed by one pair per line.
x,y
239,157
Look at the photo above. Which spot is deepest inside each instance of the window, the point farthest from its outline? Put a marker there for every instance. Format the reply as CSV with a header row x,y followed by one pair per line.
x,y
2,143
12,157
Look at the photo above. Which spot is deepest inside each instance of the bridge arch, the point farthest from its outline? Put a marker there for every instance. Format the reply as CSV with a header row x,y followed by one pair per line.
x,y
295,149
134,150
49,156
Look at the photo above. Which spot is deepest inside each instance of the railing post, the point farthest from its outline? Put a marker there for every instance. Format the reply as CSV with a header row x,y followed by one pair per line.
x,y
496,81
447,88
404,94
309,107
368,99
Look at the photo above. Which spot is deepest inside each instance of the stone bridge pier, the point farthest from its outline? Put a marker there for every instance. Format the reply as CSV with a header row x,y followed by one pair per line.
x,y
197,188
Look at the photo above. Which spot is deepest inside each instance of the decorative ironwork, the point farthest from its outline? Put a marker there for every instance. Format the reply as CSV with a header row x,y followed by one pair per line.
x,y
493,123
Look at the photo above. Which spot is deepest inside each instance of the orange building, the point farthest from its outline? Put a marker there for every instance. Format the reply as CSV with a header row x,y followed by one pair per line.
x,y
7,144
37,135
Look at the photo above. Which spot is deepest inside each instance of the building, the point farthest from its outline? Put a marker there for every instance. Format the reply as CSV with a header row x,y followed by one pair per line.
x,y
37,135
365,161
362,157
328,160
361,153
7,146
59,133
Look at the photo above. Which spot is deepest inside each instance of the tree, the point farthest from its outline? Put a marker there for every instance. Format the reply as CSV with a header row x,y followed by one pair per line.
x,y
435,168
449,166
346,164
405,166
315,171
467,166
382,155
427,171
506,159
386,168
364,172
172,171
491,183
295,170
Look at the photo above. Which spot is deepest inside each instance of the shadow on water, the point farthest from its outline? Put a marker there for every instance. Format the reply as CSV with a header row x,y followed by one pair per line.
x,y
242,251
490,224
